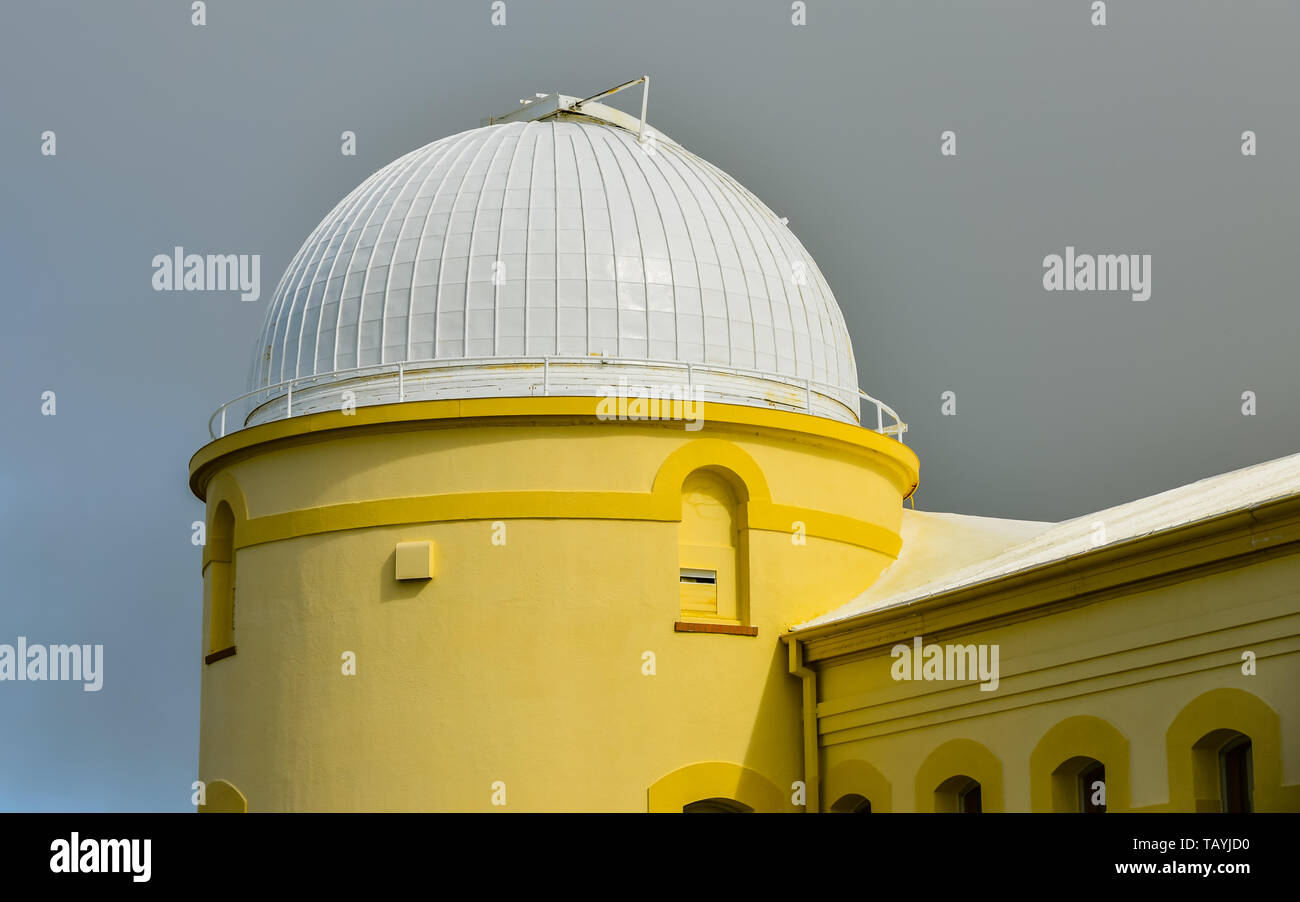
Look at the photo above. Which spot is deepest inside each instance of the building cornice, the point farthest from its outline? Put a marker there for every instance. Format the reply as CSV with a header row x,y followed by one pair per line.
x,y
1218,543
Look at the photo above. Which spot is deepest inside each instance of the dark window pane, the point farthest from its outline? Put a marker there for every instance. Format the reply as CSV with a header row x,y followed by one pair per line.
x,y
1235,767
717,806
1088,780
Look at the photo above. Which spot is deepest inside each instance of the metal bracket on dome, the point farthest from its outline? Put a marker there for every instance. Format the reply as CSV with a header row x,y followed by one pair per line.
x,y
557,105
645,99
540,107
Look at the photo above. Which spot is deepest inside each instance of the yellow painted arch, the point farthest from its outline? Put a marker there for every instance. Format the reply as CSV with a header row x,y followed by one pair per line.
x,y
223,798
714,454
714,780
1193,772
960,757
857,777
1080,736
223,488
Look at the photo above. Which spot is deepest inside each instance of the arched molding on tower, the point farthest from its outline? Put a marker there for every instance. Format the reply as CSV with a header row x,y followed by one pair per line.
x,y
758,510
713,548
729,461
227,513
223,488
1052,783
707,780
223,798
857,777
1193,759
959,757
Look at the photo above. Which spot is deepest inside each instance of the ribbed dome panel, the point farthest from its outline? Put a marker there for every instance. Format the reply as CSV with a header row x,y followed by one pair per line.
x,y
557,238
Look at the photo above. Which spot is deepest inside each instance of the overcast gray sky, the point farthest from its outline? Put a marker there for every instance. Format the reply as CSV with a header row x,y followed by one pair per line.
x,y
225,139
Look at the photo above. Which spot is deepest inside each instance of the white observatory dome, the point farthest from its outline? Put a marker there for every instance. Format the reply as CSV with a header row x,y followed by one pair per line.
x,y
553,253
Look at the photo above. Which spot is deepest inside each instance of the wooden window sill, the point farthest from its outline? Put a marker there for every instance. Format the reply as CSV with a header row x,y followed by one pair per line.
x,y
729,629
218,655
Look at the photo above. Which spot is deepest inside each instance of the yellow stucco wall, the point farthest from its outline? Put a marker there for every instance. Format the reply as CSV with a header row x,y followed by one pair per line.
x,y
1133,679
523,663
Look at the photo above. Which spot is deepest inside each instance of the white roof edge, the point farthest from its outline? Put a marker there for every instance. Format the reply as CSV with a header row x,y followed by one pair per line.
x,y
1205,499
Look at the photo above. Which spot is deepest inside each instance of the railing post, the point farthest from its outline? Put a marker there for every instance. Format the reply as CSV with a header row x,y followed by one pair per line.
x,y
223,421
546,376
880,419
288,405
401,382
808,387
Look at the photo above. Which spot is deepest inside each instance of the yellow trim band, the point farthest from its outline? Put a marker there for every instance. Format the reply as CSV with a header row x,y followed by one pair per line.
x,y
900,460
763,515
661,503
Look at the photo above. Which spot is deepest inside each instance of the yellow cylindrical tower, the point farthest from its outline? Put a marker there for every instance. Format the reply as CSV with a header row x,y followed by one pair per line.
x,y
552,436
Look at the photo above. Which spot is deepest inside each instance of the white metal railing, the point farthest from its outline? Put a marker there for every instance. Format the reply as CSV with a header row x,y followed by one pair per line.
x,y
246,404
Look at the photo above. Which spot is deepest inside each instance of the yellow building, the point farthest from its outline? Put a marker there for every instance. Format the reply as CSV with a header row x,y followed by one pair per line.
x,y
555,491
